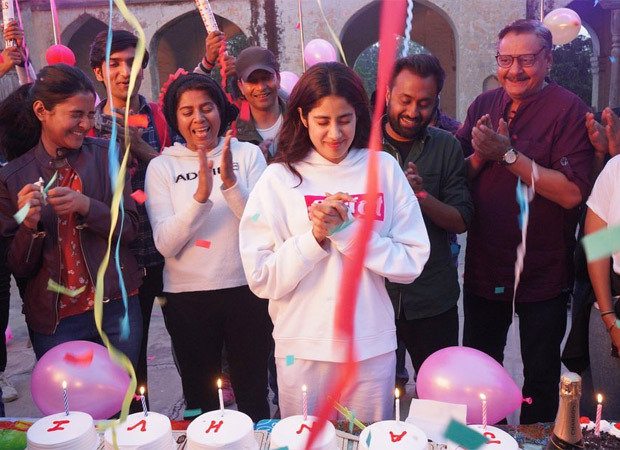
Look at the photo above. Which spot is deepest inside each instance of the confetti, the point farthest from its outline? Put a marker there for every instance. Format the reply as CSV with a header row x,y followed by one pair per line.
x,y
150,358
55,287
499,290
464,436
255,217
602,243
139,196
368,439
80,360
298,25
203,243
20,215
612,59
138,120
290,360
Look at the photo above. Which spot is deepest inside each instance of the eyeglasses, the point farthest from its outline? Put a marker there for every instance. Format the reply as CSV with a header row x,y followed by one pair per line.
x,y
506,61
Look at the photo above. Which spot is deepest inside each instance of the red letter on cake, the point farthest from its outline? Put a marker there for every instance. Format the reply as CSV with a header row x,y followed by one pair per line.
x,y
58,424
214,426
142,422
397,437
303,425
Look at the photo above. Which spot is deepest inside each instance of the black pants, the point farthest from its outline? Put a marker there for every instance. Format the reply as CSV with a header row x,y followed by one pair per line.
x,y
5,303
423,337
199,324
152,286
542,326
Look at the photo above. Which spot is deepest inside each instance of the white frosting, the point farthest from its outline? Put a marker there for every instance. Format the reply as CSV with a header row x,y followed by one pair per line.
x,y
293,432
61,432
614,431
498,439
588,426
391,434
140,432
231,431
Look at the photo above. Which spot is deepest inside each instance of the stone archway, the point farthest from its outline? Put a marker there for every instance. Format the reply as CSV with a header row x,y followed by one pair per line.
x,y
181,43
431,28
78,36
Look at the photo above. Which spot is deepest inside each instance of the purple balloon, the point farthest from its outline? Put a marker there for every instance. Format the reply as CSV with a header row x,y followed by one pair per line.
x,y
95,384
318,51
460,375
288,80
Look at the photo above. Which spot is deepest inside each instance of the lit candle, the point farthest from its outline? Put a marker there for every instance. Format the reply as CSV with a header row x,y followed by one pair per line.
x,y
65,397
599,412
220,395
304,401
484,411
397,395
143,398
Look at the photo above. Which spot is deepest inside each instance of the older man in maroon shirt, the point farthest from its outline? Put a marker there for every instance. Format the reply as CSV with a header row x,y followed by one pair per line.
x,y
529,121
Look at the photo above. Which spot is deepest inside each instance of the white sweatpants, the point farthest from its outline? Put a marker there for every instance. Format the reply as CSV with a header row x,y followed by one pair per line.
x,y
371,396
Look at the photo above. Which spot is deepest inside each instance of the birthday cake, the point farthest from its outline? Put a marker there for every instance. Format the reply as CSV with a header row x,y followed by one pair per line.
x,y
390,434
75,431
608,439
294,432
230,430
497,439
140,432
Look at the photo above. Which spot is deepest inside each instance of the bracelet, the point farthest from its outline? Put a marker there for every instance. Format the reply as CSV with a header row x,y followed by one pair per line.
x,y
208,63
607,312
421,195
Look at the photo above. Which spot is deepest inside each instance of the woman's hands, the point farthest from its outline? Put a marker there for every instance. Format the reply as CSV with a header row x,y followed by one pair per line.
x,y
226,169
31,193
65,200
205,177
329,214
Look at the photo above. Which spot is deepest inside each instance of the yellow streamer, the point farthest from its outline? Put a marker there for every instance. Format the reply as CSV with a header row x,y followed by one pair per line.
x,y
331,31
114,353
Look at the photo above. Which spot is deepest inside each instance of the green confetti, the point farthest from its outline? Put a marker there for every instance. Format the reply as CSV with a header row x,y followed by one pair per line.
x,y
20,215
351,422
601,244
464,436
499,290
341,227
290,360
368,440
55,287
255,217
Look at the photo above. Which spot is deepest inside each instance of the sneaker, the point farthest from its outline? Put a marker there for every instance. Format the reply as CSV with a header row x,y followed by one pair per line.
x,y
9,393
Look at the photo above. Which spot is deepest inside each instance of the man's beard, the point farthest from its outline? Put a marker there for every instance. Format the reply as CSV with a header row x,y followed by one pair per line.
x,y
410,132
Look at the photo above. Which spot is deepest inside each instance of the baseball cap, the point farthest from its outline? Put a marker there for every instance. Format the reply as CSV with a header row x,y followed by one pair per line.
x,y
255,58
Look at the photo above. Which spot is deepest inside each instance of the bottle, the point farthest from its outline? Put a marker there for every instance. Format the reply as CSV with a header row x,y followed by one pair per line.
x,y
567,430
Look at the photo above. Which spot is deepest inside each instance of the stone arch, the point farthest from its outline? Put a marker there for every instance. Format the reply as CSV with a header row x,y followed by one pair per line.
x,y
432,28
181,43
78,36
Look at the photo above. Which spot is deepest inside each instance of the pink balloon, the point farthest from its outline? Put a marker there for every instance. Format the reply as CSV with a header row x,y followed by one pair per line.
x,y
59,54
318,51
95,384
288,80
564,24
460,375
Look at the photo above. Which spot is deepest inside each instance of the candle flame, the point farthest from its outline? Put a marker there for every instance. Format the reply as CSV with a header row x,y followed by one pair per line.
x,y
219,383
483,397
304,388
64,385
599,397
141,390
396,393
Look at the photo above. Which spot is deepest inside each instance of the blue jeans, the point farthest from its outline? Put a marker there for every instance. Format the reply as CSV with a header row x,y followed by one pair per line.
x,y
82,327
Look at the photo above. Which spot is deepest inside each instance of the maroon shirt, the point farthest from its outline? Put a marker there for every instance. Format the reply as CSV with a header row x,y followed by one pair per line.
x,y
549,128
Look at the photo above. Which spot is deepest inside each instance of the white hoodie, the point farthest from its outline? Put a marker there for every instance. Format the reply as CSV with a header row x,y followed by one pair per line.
x,y
178,220
284,263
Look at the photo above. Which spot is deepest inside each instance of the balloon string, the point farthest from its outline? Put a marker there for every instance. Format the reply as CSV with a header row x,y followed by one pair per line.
x,y
55,23
301,37
333,34
353,266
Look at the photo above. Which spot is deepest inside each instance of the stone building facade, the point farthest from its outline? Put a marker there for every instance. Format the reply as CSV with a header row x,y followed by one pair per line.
x,y
462,33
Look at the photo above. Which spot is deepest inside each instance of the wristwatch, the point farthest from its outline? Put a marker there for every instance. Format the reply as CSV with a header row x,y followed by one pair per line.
x,y
509,157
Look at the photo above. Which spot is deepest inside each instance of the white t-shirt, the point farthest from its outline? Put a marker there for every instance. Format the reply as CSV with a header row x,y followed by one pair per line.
x,y
605,199
270,132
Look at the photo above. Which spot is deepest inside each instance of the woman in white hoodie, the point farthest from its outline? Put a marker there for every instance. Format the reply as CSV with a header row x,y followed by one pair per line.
x,y
298,228
196,194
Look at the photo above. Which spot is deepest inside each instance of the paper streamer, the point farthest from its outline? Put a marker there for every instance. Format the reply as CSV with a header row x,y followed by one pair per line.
x,y
392,14
55,287
408,28
333,34
55,23
204,8
8,14
602,244
27,64
20,215
346,413
300,27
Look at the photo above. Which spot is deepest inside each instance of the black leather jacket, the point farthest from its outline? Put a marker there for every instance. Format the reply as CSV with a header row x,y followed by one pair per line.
x,y
36,255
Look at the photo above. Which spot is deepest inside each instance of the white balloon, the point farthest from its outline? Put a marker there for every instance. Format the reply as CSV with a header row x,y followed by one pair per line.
x,y
564,25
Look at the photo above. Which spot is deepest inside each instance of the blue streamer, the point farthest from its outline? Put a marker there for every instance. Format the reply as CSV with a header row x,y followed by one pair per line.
x,y
524,204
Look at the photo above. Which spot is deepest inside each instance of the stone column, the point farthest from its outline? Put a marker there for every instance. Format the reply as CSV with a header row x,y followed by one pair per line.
x,y
594,64
614,82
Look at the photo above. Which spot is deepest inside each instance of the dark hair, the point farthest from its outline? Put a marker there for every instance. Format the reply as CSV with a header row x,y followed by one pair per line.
x,y
523,26
422,65
121,40
321,80
198,82
20,129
